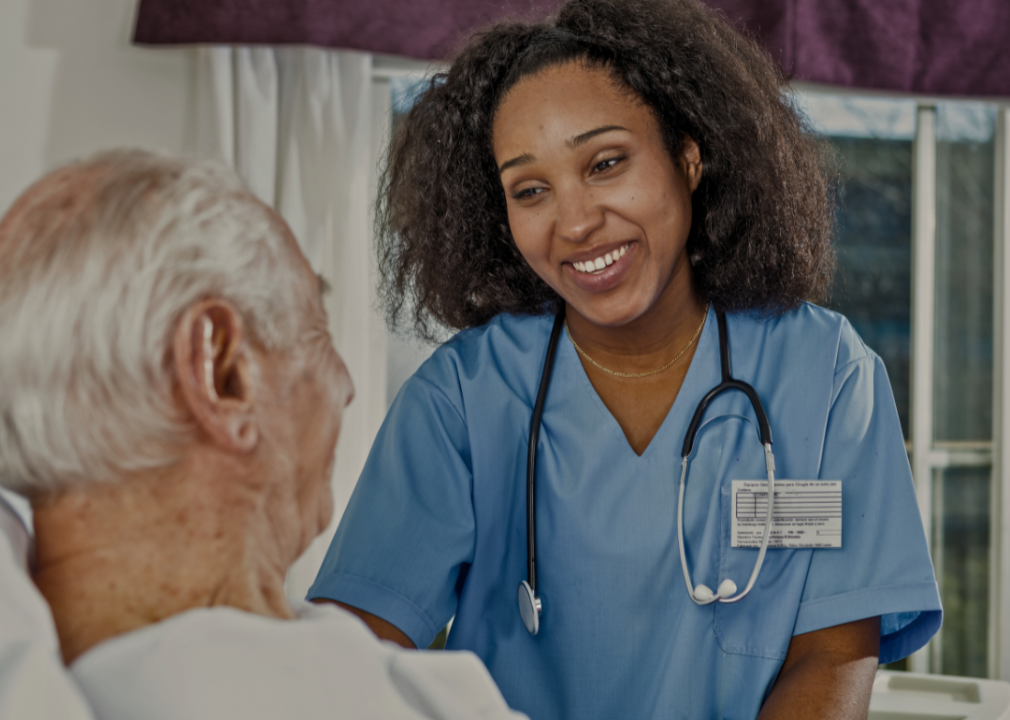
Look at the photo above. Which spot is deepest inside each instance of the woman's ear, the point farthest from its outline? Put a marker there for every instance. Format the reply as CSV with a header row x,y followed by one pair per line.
x,y
214,367
690,162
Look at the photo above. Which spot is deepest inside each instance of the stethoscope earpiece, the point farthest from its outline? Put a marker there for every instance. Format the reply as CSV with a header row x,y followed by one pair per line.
x,y
704,594
726,588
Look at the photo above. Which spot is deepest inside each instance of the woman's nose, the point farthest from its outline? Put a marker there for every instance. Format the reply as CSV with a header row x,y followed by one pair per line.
x,y
579,213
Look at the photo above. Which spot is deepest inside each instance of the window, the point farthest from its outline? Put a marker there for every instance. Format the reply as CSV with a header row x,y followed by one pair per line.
x,y
916,224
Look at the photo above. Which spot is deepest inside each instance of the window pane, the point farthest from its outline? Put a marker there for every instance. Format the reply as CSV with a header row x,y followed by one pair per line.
x,y
872,138
873,285
965,155
961,557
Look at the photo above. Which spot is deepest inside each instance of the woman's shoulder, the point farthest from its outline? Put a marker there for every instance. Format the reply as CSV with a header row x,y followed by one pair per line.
x,y
506,354
809,330
506,338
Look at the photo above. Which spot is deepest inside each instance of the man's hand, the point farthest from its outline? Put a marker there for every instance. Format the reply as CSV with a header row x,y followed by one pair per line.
x,y
827,674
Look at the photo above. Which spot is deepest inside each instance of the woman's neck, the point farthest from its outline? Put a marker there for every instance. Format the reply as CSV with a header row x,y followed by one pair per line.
x,y
112,558
638,368
650,340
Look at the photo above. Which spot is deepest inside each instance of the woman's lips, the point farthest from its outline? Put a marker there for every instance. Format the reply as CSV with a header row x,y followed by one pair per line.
x,y
609,276
601,262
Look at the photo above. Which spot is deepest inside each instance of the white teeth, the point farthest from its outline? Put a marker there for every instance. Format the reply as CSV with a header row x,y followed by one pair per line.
x,y
600,263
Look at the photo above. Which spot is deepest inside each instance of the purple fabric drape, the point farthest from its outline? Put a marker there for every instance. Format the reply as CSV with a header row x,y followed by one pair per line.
x,y
424,29
937,47
934,47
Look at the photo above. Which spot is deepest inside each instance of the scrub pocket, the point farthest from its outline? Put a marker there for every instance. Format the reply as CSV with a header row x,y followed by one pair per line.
x,y
762,623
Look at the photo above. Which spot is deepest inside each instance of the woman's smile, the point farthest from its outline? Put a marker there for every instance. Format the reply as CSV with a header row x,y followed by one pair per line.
x,y
603,269
601,262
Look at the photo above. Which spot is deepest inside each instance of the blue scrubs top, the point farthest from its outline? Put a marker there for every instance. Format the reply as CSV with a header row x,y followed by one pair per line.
x,y
436,526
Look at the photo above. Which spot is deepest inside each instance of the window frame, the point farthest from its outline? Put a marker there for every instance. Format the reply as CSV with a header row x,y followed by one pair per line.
x,y
999,612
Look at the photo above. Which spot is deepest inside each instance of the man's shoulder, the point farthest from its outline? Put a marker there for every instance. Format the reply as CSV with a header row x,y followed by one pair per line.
x,y
188,665
226,632
223,663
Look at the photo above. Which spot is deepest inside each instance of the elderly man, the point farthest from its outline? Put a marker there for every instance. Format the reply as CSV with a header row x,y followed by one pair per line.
x,y
170,403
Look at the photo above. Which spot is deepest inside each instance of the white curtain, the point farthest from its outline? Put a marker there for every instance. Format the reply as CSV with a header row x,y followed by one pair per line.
x,y
302,126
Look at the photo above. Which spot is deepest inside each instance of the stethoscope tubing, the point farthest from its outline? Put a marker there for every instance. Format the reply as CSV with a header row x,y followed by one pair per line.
x,y
766,536
531,457
529,603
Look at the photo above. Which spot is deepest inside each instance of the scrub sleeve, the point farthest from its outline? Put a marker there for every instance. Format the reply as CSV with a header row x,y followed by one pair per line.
x,y
864,448
404,542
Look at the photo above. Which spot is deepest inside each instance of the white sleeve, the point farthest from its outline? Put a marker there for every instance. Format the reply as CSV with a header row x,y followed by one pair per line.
x,y
448,686
224,664
33,680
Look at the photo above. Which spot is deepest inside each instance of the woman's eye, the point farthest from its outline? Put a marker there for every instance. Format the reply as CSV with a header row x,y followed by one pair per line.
x,y
527,193
606,164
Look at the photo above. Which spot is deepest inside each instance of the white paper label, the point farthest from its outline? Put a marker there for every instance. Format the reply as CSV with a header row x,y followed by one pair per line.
x,y
808,514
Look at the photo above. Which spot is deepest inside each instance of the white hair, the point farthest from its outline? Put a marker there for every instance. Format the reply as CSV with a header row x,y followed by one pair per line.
x,y
97,263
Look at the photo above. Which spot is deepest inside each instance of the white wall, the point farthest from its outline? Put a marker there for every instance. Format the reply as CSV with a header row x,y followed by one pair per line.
x,y
71,84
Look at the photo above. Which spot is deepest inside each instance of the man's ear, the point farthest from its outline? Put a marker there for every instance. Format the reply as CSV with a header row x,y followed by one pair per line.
x,y
690,162
215,368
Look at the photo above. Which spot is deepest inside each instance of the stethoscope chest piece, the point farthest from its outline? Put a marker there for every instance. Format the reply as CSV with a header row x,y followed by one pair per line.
x,y
529,607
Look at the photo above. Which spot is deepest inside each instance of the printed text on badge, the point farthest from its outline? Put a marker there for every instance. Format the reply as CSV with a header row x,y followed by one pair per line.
x,y
808,514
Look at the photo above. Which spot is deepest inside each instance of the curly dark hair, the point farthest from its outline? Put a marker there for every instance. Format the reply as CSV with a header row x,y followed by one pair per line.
x,y
763,213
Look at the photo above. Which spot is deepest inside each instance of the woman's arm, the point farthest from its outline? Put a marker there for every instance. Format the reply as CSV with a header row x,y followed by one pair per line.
x,y
827,674
383,630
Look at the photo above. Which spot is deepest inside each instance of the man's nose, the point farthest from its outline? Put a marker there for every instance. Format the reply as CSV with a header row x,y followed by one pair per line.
x,y
579,213
344,384
349,385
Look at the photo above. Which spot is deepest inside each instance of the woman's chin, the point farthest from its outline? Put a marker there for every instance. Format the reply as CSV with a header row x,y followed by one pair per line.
x,y
609,315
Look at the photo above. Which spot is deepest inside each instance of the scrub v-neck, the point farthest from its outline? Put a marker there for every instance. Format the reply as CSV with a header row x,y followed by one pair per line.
x,y
569,354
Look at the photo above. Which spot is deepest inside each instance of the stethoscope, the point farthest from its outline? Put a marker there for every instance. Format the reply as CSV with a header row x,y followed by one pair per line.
x,y
530,604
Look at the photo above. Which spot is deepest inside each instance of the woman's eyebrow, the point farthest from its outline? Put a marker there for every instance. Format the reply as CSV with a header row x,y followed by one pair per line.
x,y
524,159
579,139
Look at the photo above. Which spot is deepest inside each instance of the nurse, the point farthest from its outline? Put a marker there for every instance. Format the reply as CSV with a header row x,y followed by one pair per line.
x,y
637,166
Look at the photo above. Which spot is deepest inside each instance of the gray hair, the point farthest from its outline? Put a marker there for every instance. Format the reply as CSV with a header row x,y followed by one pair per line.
x,y
98,261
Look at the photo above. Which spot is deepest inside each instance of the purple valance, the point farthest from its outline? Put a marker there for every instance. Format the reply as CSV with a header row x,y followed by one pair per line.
x,y
931,47
935,47
423,29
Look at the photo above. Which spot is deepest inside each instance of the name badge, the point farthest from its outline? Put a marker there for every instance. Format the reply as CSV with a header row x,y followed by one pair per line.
x,y
808,514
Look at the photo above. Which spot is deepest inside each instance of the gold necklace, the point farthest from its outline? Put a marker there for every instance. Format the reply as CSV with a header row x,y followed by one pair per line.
x,y
645,374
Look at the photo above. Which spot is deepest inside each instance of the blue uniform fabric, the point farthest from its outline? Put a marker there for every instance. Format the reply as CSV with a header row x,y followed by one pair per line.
x,y
436,526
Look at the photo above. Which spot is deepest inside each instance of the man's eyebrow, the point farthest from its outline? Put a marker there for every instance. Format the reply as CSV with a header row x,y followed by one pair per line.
x,y
524,159
579,139
324,285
